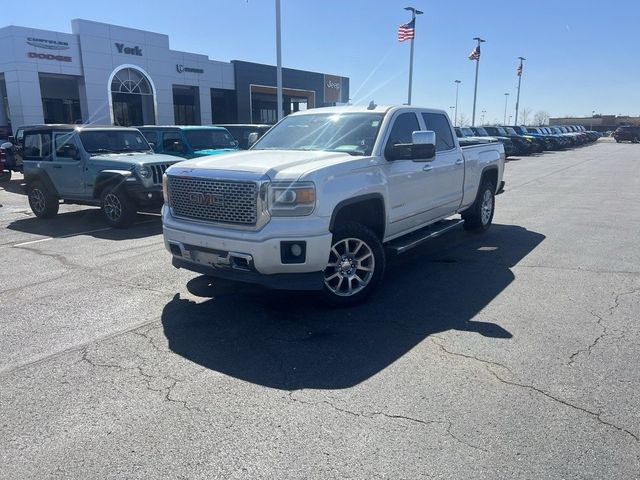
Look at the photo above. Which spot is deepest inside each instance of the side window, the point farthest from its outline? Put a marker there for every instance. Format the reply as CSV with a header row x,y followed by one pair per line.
x,y
65,145
37,146
152,137
172,143
403,126
439,124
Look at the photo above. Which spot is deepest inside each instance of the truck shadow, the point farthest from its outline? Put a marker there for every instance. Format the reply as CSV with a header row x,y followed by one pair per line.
x,y
289,341
87,221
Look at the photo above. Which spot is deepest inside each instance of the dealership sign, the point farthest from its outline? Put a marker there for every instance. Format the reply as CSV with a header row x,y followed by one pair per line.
x,y
182,69
49,56
332,89
129,50
48,44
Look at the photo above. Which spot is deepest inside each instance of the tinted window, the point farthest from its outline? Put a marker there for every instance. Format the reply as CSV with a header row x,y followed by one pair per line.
x,y
403,127
113,141
63,145
37,146
152,137
172,143
440,124
205,139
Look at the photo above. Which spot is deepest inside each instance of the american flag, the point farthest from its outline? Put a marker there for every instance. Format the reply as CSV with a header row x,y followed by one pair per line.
x,y
407,31
475,54
519,70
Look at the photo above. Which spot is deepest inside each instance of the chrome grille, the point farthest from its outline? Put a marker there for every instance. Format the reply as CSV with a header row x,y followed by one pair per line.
x,y
214,200
157,171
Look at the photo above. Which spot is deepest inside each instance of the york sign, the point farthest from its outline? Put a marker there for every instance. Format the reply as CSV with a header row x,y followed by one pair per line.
x,y
129,50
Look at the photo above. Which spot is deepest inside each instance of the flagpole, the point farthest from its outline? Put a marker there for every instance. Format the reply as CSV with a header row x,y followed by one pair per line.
x,y
519,82
279,112
414,12
475,88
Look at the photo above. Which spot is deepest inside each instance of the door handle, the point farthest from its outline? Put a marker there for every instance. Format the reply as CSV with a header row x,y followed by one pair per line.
x,y
427,168
459,161
57,166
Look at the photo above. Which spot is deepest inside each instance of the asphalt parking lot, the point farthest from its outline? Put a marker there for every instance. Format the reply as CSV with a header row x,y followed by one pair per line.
x,y
512,354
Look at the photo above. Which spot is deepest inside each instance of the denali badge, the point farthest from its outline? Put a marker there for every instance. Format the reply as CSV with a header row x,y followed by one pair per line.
x,y
208,199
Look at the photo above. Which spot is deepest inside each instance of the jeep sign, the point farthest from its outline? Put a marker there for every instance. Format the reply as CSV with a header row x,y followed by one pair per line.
x,y
332,89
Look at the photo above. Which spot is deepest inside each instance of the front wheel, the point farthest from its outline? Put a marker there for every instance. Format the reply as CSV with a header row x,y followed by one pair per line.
x,y
480,215
118,209
356,265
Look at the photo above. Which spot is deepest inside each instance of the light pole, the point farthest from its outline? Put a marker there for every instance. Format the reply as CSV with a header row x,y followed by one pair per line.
x,y
455,115
279,64
475,88
414,12
452,108
482,119
522,59
510,117
593,112
506,97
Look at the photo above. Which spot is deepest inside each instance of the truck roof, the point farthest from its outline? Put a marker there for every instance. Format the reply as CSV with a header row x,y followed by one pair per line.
x,y
364,109
180,127
69,127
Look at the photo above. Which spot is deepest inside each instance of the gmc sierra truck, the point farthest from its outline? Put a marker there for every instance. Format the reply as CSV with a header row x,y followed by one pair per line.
x,y
321,200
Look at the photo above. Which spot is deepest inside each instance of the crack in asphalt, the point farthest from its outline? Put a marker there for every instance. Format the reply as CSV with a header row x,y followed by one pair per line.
x,y
369,415
470,357
591,346
147,379
488,364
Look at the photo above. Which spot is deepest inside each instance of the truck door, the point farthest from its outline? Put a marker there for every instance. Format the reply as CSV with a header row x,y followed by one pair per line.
x,y
447,168
67,167
411,183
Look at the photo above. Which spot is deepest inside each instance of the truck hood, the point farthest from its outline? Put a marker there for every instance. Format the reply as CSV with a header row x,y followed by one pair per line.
x,y
276,164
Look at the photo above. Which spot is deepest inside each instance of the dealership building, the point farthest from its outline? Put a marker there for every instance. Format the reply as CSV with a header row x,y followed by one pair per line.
x,y
106,74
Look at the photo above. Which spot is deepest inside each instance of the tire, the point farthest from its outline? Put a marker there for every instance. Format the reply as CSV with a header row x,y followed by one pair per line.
x,y
479,216
43,202
635,139
356,265
118,209
5,176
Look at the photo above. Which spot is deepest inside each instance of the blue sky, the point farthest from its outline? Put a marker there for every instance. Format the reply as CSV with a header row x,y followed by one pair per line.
x,y
581,55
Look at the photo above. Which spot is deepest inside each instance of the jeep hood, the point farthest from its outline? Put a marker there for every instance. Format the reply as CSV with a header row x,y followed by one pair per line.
x,y
124,160
276,164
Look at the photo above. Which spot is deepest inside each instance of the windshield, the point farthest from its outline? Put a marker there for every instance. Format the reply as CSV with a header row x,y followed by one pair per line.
x,y
468,132
510,131
482,132
353,133
501,131
113,141
206,139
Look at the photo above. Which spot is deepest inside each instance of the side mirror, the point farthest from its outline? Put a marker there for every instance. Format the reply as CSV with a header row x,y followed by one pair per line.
x,y
423,148
253,138
235,143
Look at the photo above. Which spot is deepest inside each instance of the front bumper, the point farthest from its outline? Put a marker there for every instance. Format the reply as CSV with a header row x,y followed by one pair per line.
x,y
144,195
244,255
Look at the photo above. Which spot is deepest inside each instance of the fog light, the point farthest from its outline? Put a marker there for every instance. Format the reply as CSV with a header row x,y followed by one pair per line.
x,y
293,252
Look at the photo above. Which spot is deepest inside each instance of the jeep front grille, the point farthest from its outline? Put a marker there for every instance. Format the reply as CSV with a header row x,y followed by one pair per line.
x,y
157,171
220,201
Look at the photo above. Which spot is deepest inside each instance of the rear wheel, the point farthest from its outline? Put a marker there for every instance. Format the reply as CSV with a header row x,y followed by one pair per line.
x,y
356,265
480,215
118,209
43,202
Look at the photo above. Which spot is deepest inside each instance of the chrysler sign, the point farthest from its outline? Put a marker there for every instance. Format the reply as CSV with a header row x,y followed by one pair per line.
x,y
48,44
182,69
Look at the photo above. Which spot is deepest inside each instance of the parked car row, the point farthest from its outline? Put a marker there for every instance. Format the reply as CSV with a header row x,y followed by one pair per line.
x,y
520,140
627,133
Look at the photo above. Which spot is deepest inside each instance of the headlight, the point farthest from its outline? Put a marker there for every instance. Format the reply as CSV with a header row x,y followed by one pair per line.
x,y
165,188
144,171
291,199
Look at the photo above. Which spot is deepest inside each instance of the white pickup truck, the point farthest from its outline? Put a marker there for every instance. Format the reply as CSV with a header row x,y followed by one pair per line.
x,y
322,198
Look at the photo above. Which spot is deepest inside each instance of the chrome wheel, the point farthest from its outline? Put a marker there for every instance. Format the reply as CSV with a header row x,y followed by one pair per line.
x,y
351,266
37,200
486,208
112,207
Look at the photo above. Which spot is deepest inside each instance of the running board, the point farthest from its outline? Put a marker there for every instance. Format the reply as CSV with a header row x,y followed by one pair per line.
x,y
402,244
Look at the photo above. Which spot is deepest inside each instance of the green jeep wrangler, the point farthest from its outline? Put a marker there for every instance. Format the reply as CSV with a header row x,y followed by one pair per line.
x,y
110,167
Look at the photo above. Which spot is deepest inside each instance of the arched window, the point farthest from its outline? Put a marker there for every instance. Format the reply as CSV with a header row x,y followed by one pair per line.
x,y
129,80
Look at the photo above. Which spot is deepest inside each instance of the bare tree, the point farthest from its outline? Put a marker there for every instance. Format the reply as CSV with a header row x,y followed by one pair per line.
x,y
524,116
541,118
463,121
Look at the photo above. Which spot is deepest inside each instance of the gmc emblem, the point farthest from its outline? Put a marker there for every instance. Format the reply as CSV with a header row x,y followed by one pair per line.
x,y
206,199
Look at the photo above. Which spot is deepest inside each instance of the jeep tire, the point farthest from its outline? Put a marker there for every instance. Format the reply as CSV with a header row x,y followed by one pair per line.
x,y
118,209
43,202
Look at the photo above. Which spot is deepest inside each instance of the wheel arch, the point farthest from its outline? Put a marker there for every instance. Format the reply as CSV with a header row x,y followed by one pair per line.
x,y
40,175
109,178
368,210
